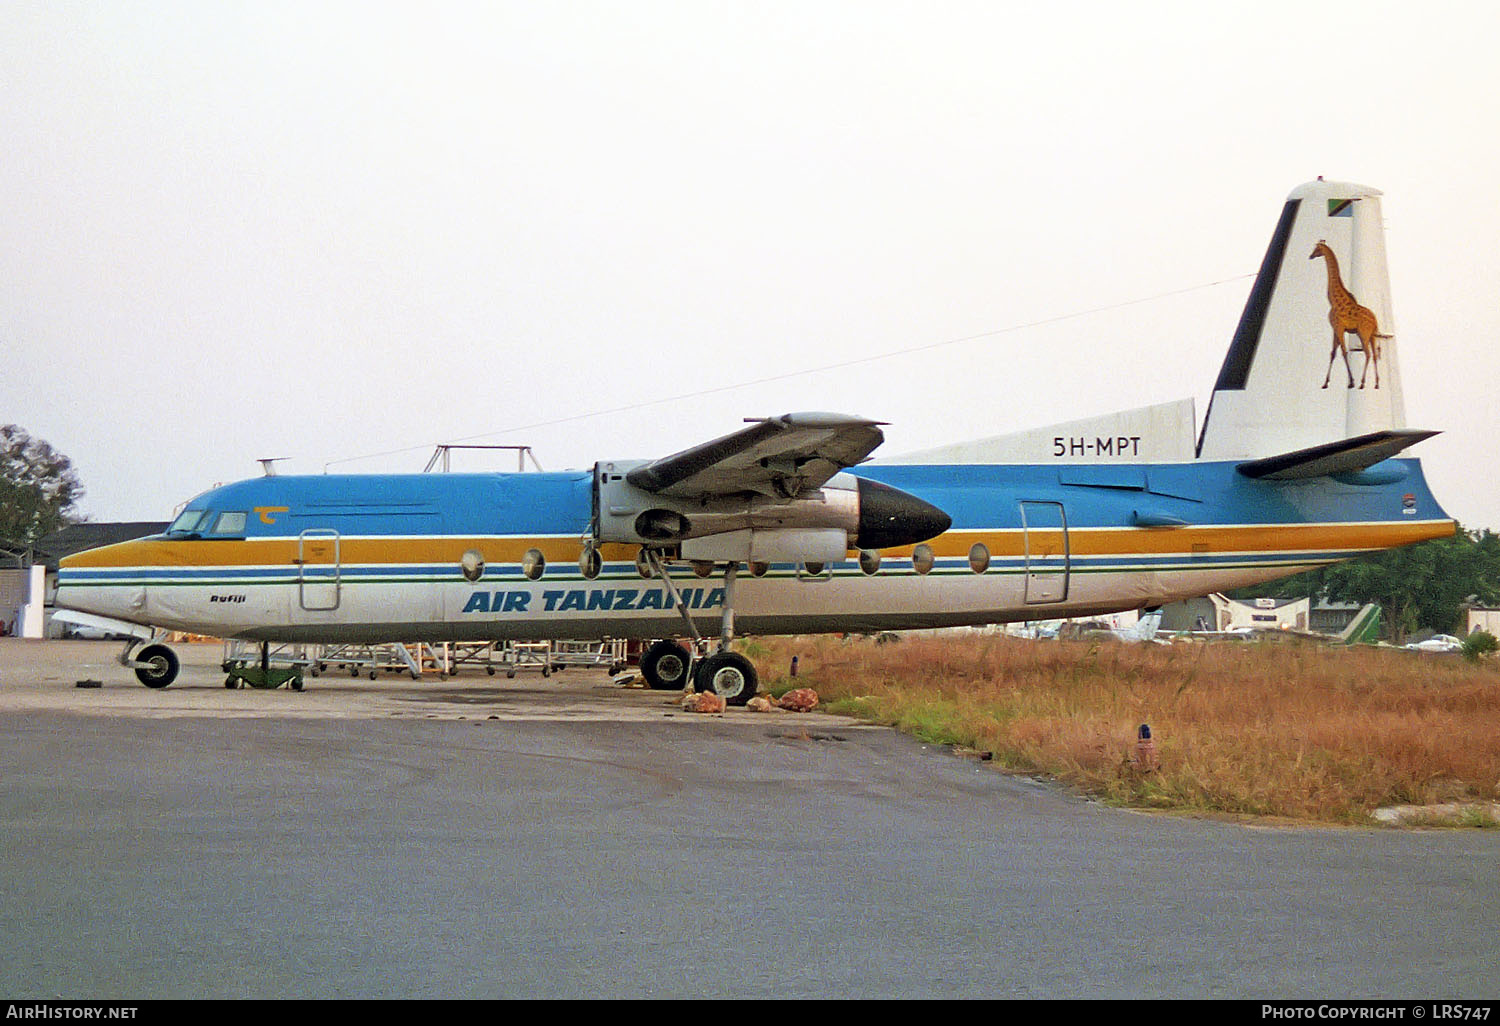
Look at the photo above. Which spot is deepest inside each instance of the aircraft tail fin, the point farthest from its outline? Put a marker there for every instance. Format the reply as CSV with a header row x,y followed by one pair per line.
x,y
1146,627
1364,628
1315,355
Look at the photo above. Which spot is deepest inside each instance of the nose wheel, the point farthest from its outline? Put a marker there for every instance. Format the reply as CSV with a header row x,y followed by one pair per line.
x,y
156,666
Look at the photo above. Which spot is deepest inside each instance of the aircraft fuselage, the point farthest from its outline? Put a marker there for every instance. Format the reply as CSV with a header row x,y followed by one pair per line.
x,y
453,557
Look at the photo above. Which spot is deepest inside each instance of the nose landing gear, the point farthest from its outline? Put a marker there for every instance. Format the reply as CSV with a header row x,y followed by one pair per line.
x,y
155,665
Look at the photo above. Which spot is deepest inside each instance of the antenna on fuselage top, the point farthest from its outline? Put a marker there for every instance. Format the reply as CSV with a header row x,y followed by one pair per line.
x,y
268,466
523,453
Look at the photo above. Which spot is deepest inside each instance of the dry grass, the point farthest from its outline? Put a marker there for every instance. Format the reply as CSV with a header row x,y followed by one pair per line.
x,y
1290,729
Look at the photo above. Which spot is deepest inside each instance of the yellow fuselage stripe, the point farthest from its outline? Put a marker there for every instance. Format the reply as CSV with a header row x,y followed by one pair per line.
x,y
1013,542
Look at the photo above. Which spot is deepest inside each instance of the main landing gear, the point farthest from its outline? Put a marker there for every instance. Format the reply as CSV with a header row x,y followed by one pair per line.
x,y
667,665
729,675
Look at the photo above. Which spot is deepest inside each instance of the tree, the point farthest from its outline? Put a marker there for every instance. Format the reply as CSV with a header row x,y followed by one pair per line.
x,y
38,487
1417,586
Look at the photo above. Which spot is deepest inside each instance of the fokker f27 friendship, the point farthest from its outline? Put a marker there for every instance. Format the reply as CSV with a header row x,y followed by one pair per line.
x,y
769,530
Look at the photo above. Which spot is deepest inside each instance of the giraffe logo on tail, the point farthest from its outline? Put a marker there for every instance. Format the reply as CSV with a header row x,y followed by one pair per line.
x,y
1346,316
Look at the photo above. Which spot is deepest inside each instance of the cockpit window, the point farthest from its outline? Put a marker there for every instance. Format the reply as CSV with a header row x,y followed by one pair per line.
x,y
230,523
190,521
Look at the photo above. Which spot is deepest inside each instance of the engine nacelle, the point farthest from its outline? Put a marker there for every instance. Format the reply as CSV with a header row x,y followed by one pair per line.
x,y
867,514
775,545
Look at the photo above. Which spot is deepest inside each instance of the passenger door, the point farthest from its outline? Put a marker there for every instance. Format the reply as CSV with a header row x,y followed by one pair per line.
x,y
1045,528
318,568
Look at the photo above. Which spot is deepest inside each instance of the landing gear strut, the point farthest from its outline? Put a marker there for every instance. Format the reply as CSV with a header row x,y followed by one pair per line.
x,y
155,665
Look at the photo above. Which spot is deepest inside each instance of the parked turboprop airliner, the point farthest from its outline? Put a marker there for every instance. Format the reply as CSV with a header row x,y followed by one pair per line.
x,y
768,530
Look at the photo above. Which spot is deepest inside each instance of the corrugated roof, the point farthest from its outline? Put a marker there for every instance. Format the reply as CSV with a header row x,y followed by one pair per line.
x,y
78,537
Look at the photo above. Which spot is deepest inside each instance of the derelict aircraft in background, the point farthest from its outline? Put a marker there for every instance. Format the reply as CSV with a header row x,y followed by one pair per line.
x,y
767,531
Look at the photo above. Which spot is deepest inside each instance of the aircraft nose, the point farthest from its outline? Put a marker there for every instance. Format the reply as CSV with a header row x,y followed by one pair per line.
x,y
889,517
117,603
89,582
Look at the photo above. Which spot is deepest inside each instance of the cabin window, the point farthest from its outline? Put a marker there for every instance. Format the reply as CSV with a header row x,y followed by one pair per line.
x,y
472,565
759,569
869,560
703,567
922,559
979,558
230,523
533,564
813,567
590,563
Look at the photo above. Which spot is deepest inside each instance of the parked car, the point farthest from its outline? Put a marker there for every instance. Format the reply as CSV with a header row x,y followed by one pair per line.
x,y
1437,643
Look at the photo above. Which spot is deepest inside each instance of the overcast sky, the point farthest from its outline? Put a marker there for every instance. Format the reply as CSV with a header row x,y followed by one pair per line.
x,y
325,231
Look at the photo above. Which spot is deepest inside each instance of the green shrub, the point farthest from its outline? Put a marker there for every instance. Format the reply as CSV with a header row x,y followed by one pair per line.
x,y
1479,643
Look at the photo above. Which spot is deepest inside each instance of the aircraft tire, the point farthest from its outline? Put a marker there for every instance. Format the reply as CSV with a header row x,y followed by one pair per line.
x,y
161,668
665,666
729,675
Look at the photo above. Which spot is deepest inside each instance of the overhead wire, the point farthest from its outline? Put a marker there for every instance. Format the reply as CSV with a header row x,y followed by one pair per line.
x,y
804,372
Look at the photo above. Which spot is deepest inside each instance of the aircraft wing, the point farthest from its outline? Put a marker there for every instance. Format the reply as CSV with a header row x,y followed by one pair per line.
x,y
781,457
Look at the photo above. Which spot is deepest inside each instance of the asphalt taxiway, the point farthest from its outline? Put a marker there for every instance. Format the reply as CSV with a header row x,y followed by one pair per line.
x,y
480,837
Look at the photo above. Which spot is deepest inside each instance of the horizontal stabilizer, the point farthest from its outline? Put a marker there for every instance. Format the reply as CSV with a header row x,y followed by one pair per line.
x,y
1341,457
